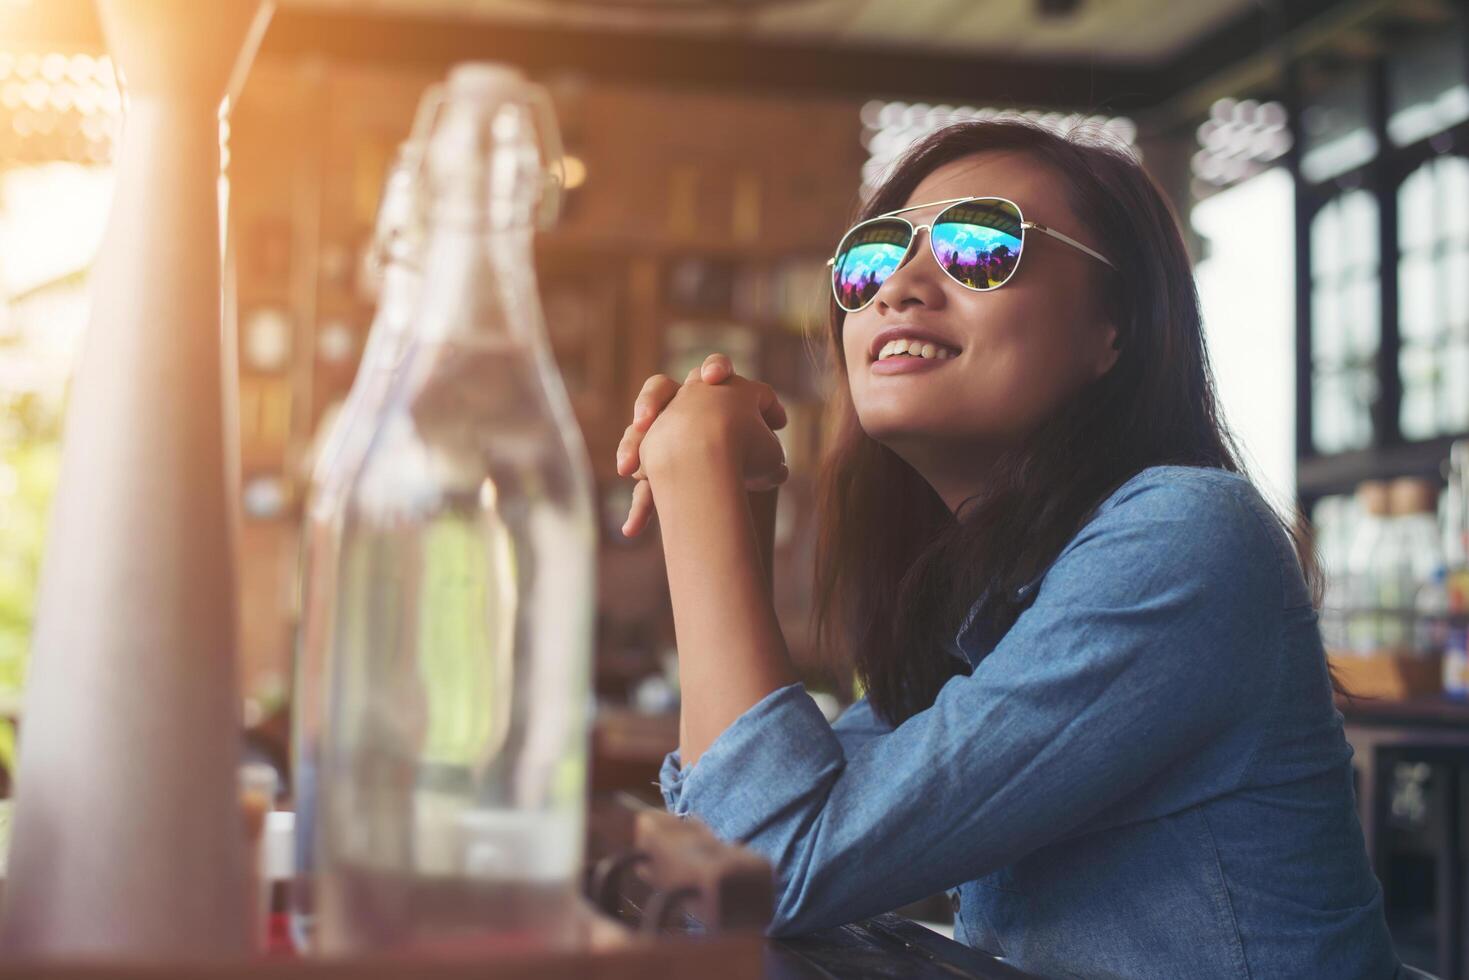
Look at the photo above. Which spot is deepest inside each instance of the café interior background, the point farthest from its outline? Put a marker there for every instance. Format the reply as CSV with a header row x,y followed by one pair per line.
x,y
1314,150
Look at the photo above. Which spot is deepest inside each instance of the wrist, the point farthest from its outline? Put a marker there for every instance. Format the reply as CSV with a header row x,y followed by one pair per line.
x,y
701,452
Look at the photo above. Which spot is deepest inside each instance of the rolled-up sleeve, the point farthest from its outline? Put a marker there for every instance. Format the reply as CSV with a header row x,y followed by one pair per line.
x,y
1151,629
786,733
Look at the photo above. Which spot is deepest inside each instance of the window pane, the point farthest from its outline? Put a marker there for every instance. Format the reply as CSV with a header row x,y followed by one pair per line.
x,y
1328,336
1451,192
1345,321
1247,291
1426,91
1326,250
1453,281
1454,397
1341,410
1418,316
1362,389
1359,228
1363,316
1337,133
1433,300
1328,409
1419,414
1415,210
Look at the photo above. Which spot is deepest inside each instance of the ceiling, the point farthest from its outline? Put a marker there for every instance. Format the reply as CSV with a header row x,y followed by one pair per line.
x,y
1120,32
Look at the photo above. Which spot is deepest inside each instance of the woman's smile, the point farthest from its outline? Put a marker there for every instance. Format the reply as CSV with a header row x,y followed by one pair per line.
x,y
910,363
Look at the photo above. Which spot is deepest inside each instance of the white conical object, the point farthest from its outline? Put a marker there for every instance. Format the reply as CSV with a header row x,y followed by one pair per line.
x,y
128,838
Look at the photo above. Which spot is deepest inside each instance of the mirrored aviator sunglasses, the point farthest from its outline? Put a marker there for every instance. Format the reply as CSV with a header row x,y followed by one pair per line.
x,y
977,241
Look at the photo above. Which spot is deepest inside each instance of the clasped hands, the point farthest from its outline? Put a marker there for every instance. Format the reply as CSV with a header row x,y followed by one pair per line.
x,y
715,416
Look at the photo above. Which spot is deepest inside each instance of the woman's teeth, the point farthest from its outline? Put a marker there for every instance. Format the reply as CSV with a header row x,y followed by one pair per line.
x,y
915,348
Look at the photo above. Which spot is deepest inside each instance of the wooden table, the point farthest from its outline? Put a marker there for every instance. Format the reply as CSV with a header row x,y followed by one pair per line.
x,y
887,946
1433,730
884,948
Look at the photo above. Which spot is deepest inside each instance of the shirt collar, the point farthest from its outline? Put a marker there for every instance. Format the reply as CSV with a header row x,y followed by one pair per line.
x,y
976,636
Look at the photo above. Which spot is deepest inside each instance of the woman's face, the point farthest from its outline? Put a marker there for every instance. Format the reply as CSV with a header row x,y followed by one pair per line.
x,y
1017,352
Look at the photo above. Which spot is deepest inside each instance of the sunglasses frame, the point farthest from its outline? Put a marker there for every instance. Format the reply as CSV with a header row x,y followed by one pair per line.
x,y
950,203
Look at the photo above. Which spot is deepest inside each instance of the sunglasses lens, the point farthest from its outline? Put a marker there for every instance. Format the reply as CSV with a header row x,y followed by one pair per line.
x,y
866,257
978,242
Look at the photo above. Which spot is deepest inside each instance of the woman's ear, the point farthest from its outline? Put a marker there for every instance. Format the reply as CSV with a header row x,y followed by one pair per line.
x,y
1108,353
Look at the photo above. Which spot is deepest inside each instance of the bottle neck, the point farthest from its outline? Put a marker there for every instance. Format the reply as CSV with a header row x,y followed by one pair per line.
x,y
479,285
392,325
400,292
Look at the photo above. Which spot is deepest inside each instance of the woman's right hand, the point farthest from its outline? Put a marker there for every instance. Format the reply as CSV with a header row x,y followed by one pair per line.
x,y
655,396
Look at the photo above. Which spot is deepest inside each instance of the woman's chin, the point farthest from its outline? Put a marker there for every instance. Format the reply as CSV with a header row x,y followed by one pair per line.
x,y
915,438
901,433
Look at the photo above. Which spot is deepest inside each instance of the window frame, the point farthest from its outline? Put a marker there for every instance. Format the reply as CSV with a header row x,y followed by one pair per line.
x,y
1389,454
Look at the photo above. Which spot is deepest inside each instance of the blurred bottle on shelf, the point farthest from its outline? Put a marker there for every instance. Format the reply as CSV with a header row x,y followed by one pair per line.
x,y
1456,663
1455,518
395,259
452,779
1362,613
1431,614
1455,513
1410,572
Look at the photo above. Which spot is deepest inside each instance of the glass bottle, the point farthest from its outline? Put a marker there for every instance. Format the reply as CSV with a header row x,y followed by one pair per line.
x,y
453,767
1363,613
1455,521
394,264
1408,562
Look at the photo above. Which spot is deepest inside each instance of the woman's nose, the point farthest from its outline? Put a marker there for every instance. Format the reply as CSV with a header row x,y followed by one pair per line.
x,y
916,280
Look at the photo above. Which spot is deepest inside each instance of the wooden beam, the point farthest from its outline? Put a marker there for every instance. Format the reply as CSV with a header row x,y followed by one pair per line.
x,y
728,64
1245,55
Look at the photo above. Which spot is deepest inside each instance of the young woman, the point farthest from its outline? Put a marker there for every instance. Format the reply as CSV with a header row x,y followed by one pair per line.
x,y
1097,708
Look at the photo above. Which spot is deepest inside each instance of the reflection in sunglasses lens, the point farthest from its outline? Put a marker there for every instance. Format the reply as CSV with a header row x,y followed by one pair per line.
x,y
978,242
867,256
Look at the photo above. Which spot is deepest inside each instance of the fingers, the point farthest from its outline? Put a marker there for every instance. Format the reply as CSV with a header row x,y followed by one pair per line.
x,y
627,450
765,466
769,480
771,410
716,368
641,512
657,392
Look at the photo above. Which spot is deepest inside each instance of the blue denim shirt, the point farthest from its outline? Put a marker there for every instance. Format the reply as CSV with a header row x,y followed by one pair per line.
x,y
1144,777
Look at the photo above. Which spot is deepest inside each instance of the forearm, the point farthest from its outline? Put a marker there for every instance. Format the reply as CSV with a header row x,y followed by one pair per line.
x,y
731,651
762,514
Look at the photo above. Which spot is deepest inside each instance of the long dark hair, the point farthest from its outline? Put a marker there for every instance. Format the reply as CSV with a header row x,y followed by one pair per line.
x,y
890,595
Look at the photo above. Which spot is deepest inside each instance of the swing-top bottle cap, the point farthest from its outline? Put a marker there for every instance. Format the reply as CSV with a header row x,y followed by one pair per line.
x,y
494,152
485,79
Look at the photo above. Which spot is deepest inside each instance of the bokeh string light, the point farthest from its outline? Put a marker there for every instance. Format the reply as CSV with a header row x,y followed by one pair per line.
x,y
1240,139
57,107
890,128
